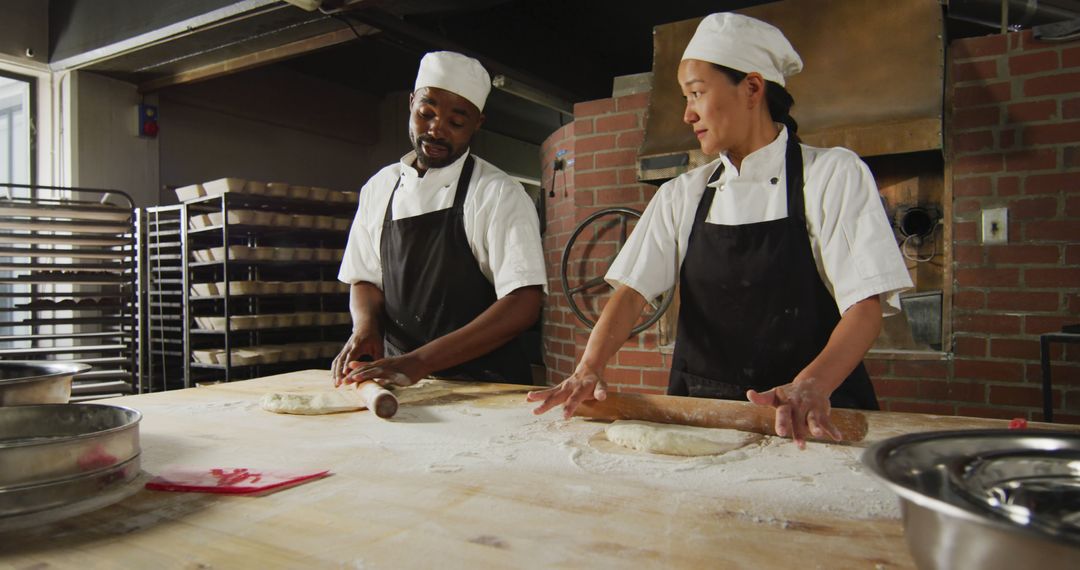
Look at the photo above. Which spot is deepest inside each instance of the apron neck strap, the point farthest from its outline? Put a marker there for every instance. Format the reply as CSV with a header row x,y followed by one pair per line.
x,y
707,198
389,215
794,166
463,182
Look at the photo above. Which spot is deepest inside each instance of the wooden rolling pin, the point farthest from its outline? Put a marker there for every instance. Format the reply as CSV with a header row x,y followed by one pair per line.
x,y
377,399
709,413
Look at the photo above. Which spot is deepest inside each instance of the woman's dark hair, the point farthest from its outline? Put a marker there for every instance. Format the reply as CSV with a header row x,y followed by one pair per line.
x,y
777,98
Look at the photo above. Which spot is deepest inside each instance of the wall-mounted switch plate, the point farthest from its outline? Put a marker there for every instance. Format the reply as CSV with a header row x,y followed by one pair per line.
x,y
995,226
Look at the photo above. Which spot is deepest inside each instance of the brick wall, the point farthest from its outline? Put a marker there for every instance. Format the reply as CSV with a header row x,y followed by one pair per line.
x,y
560,325
600,147
1013,140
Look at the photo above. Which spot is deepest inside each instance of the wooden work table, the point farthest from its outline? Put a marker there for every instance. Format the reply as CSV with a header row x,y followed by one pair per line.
x,y
408,493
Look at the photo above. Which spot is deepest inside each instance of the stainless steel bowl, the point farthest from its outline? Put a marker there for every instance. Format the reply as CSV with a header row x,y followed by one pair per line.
x,y
25,382
986,499
59,457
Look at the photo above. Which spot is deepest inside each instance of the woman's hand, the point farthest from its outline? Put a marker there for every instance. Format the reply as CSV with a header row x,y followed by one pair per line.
x,y
612,329
802,407
363,345
582,386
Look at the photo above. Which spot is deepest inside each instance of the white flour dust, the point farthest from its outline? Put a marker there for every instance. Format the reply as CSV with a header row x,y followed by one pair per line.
x,y
217,407
439,433
773,475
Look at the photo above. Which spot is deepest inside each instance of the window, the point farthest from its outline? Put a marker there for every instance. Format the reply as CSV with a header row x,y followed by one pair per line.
x,y
16,167
16,131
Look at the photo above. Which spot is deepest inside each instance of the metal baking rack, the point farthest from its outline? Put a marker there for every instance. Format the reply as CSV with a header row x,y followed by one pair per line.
x,y
161,338
176,310
68,261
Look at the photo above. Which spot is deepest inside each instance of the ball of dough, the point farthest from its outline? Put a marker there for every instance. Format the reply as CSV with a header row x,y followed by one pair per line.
x,y
677,439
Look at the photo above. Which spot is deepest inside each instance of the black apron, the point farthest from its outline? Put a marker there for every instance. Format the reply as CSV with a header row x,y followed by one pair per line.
x,y
433,286
754,311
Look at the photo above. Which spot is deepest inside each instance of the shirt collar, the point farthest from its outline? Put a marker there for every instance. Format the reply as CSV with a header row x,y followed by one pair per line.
x,y
434,177
761,165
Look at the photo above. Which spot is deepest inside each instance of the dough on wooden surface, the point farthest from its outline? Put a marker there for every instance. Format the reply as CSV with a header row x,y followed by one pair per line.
x,y
677,439
311,403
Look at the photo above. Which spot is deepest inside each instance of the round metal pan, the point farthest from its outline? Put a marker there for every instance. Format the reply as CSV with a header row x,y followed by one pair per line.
x,y
55,455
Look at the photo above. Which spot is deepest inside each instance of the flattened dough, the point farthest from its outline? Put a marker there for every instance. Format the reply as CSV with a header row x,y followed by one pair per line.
x,y
311,403
676,439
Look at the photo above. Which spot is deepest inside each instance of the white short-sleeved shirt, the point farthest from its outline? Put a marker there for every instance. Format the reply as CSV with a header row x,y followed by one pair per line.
x,y
501,224
850,235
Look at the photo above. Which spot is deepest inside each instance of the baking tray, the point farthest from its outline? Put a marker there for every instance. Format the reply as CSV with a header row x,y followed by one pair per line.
x,y
59,226
105,213
95,240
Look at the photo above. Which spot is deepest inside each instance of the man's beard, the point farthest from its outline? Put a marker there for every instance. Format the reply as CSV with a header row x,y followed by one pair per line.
x,y
446,154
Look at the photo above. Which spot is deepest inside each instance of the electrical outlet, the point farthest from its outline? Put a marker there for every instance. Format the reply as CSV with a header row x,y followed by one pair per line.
x,y
560,162
995,226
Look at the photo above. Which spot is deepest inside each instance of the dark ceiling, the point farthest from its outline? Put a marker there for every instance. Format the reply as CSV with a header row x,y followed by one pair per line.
x,y
571,49
572,46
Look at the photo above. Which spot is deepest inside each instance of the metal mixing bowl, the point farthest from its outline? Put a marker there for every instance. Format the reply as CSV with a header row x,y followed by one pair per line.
x,y
986,499
25,382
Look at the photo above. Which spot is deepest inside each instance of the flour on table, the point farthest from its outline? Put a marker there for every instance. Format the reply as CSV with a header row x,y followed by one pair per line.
x,y
456,436
676,439
311,403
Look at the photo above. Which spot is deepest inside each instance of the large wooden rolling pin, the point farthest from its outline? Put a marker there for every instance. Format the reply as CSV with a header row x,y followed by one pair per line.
x,y
709,413
377,399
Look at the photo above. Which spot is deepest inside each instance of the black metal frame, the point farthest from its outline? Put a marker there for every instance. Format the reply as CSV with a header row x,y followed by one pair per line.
x,y
1044,357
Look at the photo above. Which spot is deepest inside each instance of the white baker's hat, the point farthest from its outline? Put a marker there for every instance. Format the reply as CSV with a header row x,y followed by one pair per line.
x,y
456,73
744,44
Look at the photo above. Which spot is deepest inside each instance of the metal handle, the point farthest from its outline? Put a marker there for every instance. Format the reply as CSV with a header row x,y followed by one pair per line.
x,y
659,305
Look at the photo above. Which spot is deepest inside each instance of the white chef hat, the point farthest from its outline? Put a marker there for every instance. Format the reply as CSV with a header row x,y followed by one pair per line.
x,y
744,44
456,73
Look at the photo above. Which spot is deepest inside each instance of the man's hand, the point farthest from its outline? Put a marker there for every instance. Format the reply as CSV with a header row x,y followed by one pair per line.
x,y
404,370
802,407
363,345
582,386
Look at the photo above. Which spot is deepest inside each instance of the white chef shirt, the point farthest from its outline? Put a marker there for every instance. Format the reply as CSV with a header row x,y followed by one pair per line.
x,y
501,225
850,236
